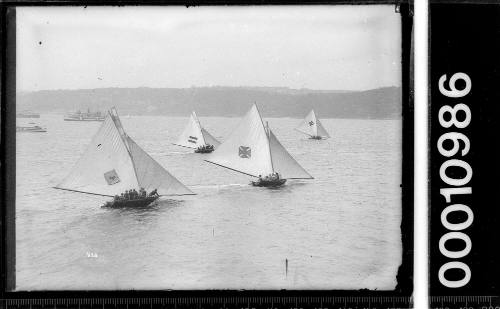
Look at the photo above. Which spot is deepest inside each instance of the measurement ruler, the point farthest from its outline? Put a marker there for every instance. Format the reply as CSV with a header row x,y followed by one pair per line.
x,y
237,302
465,302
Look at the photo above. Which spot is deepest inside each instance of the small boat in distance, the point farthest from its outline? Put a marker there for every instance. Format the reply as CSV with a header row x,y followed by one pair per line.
x,y
27,114
313,127
31,127
253,149
88,116
114,165
196,137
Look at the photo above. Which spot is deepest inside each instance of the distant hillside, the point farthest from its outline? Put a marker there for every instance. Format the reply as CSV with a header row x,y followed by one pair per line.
x,y
381,103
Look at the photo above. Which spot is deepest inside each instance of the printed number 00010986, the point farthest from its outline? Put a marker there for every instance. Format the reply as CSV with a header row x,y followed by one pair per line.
x,y
461,147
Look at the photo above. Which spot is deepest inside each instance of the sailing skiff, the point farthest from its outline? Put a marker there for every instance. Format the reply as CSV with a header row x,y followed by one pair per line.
x,y
312,127
253,149
113,164
196,137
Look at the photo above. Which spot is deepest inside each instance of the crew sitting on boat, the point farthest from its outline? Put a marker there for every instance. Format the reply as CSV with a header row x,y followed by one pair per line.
x,y
271,177
133,194
206,147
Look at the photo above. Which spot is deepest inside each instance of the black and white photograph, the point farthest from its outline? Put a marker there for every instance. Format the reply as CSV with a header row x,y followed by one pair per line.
x,y
208,148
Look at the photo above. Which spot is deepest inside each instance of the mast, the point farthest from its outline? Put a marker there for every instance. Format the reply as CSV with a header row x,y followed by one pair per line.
x,y
269,145
199,127
124,137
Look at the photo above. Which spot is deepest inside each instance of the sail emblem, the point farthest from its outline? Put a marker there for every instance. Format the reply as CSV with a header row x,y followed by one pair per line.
x,y
311,123
245,152
193,139
111,177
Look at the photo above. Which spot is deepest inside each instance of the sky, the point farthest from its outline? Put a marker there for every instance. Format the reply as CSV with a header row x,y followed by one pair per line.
x,y
339,47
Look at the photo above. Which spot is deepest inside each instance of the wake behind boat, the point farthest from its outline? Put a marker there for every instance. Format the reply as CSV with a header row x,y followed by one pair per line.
x,y
196,137
312,126
114,164
253,149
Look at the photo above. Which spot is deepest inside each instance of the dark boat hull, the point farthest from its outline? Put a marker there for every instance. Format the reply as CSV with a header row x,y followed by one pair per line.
x,y
143,202
269,183
203,151
315,137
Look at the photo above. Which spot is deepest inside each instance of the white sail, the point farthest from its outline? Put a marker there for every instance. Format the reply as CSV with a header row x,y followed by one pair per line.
x,y
191,137
151,175
283,162
194,135
312,126
108,166
321,130
105,168
246,150
209,139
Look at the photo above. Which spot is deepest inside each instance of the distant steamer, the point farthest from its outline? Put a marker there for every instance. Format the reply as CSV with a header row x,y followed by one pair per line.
x,y
88,116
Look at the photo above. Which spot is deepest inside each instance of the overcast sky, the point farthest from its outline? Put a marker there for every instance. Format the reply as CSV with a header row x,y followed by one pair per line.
x,y
317,47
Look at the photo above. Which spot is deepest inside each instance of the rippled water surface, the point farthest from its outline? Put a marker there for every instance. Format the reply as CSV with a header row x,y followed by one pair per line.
x,y
337,231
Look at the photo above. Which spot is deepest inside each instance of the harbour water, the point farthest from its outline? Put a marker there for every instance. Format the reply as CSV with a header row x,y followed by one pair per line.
x,y
340,230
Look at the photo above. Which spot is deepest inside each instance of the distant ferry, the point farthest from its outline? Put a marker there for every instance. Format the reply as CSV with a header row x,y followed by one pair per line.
x,y
31,127
88,116
27,114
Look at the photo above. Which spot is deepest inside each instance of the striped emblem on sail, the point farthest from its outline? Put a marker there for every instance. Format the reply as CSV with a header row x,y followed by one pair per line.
x,y
193,139
244,152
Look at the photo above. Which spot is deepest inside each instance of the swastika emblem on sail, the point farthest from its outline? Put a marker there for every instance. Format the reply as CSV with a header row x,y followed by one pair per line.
x,y
111,177
245,152
311,123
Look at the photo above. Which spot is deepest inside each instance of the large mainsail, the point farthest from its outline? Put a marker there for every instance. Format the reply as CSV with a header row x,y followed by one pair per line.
x,y
194,135
253,150
114,163
312,126
246,150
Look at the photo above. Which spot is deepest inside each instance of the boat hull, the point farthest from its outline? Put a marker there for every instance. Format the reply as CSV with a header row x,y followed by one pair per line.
x,y
269,183
135,203
31,129
315,137
203,151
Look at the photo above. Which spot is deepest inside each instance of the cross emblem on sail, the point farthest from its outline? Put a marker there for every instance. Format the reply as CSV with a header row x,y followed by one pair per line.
x,y
312,127
194,135
124,165
244,152
266,152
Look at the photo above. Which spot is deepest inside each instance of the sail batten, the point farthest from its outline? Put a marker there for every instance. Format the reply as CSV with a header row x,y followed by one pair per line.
x,y
114,163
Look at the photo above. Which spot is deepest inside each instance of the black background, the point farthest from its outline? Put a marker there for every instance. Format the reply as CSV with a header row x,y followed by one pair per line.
x,y
465,38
